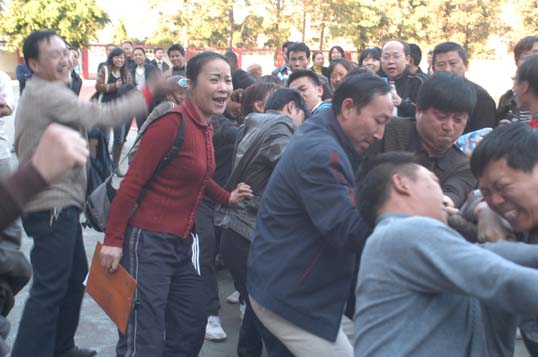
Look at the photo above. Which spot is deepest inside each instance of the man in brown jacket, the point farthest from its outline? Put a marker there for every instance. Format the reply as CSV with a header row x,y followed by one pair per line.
x,y
51,314
443,106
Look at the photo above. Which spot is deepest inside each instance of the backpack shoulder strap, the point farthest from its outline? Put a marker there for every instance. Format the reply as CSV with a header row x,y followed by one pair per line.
x,y
170,154
176,146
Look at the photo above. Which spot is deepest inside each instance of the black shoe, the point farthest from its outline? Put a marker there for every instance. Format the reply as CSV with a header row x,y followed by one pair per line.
x,y
78,352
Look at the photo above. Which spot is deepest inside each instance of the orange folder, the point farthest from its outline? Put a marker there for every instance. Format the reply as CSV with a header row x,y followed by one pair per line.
x,y
113,292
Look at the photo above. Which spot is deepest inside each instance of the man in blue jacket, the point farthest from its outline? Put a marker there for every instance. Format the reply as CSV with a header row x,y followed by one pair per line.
x,y
308,229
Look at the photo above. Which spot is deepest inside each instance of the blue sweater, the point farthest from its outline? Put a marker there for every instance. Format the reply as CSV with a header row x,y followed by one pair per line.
x,y
308,230
424,291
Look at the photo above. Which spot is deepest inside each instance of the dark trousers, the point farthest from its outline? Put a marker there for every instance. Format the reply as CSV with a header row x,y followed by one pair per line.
x,y
234,252
51,314
529,332
169,316
208,251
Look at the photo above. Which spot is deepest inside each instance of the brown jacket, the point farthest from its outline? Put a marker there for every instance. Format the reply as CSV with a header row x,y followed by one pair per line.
x,y
44,102
452,169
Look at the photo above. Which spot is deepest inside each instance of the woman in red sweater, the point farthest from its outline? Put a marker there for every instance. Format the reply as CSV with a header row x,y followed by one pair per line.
x,y
156,244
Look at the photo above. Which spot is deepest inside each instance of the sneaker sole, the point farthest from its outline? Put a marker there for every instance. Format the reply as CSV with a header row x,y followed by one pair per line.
x,y
215,339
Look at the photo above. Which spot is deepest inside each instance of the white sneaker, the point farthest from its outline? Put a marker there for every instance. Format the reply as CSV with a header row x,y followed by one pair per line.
x,y
233,298
213,329
242,308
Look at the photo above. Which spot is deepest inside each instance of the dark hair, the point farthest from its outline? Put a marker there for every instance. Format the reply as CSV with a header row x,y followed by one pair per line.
x,y
304,73
299,47
448,93
528,71
197,63
30,48
176,47
158,49
315,53
344,62
415,53
260,90
232,59
270,78
375,177
287,44
516,143
362,88
523,45
283,96
115,52
339,49
141,49
374,52
449,47
407,50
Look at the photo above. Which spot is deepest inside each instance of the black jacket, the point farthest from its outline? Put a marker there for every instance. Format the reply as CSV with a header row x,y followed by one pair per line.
x,y
148,71
76,83
261,142
224,138
407,88
156,65
484,113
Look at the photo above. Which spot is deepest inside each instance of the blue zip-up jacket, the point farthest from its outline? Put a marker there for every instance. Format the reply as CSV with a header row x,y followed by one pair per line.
x,y
308,230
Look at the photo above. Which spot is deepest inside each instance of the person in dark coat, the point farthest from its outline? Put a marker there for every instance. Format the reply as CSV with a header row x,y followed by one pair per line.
x,y
308,228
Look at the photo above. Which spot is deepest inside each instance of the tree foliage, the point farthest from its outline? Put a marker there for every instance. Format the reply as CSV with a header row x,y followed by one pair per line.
x,y
77,21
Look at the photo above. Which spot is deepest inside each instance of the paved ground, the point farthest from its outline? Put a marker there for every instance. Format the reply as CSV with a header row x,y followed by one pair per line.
x,y
97,331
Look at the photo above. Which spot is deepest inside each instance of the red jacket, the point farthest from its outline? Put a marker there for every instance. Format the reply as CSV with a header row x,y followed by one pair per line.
x,y
169,205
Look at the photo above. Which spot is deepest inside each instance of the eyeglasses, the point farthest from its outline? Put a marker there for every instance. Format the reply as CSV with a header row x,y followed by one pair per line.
x,y
394,56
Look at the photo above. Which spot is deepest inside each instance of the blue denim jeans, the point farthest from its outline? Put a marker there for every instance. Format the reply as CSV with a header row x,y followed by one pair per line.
x,y
51,314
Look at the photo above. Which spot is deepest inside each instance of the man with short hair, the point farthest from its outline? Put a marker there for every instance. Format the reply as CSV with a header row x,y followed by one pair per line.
x,y
413,61
308,84
241,79
109,48
158,61
282,72
260,145
451,57
508,110
422,289
176,55
308,222
299,60
51,314
443,106
505,163
127,47
394,63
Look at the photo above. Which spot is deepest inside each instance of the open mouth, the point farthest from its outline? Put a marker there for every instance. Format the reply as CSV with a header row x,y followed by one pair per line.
x,y
221,101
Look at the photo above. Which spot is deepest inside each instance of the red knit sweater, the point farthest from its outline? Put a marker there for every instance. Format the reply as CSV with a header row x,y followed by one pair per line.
x,y
169,205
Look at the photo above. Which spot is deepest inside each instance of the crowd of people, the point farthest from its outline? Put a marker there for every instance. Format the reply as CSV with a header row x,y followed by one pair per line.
x,y
398,197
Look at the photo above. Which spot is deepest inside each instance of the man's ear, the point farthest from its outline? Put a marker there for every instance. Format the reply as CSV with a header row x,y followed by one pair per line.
x,y
290,108
33,64
400,184
320,91
347,106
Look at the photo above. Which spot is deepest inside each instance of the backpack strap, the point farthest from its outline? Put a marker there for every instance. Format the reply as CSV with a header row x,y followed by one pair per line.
x,y
167,158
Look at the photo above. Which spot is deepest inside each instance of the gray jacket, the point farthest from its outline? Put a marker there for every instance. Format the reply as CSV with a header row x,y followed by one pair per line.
x,y
424,291
260,145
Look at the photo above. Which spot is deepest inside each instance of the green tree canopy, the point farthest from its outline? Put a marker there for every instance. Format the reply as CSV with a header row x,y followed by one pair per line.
x,y
77,21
